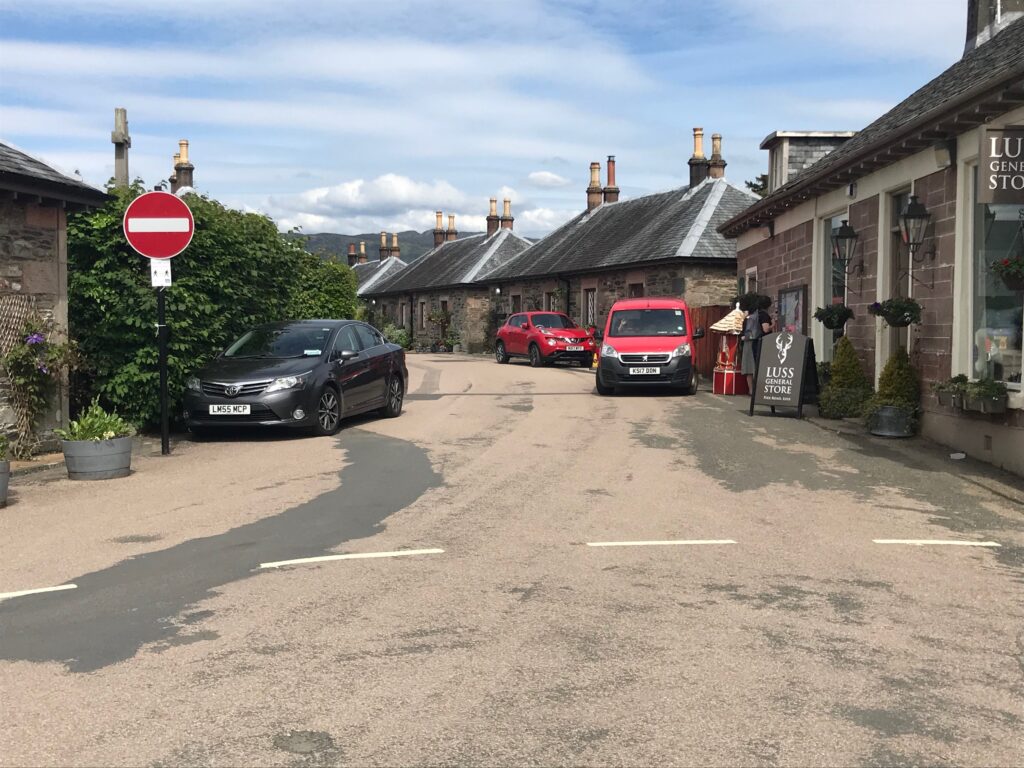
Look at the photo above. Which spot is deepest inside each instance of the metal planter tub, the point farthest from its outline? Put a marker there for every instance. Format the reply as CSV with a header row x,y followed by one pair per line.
x,y
892,421
993,404
5,477
98,459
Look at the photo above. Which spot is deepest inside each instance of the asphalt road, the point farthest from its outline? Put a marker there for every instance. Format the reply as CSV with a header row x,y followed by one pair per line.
x,y
781,634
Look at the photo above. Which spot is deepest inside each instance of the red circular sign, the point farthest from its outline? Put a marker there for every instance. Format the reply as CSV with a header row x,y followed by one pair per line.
x,y
158,225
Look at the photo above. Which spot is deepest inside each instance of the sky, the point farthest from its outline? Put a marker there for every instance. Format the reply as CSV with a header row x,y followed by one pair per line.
x,y
344,116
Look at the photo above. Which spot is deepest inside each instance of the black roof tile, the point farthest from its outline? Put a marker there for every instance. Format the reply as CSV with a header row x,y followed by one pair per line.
x,y
22,172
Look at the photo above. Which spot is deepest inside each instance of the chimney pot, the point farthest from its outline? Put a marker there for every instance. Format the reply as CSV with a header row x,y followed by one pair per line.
x,y
183,150
716,168
494,206
611,192
492,217
362,251
699,166
506,217
452,233
394,241
440,216
698,143
594,193
439,230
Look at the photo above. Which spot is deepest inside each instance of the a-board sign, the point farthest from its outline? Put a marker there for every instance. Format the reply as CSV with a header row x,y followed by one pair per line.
x,y
787,375
158,225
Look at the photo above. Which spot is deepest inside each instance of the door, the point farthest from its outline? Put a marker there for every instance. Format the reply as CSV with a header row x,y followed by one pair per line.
x,y
379,362
353,375
517,335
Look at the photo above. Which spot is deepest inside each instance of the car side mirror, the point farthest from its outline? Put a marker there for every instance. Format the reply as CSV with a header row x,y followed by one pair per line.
x,y
598,335
343,355
699,333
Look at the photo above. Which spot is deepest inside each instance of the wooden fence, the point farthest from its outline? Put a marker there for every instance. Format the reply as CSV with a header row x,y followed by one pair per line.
x,y
706,349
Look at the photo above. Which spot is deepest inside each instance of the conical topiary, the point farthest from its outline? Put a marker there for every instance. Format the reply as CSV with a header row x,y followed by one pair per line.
x,y
898,384
848,388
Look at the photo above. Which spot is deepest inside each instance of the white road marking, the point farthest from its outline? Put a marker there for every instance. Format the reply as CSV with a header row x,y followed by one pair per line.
x,y
657,543
142,224
22,593
356,556
937,542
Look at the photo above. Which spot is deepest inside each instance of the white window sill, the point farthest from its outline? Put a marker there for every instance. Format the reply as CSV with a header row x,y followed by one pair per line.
x,y
1016,400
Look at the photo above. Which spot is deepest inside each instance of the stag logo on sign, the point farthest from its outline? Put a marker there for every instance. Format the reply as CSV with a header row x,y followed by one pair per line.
x,y
1001,170
782,343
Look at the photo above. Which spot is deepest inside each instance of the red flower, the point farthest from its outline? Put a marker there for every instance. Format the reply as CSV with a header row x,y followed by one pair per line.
x,y
1006,262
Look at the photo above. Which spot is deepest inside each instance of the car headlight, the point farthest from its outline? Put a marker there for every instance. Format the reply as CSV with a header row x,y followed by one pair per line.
x,y
608,350
288,382
683,350
192,383
552,342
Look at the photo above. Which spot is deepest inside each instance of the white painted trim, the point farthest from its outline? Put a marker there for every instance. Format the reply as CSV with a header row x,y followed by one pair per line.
x,y
499,238
703,218
379,275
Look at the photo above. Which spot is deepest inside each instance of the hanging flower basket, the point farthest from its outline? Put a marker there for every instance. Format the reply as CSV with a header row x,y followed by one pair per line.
x,y
898,312
1014,282
834,316
1011,270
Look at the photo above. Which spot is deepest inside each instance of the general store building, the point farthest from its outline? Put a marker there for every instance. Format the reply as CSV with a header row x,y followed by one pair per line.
x,y
955,147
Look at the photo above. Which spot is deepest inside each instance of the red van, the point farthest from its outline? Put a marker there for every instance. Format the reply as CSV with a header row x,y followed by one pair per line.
x,y
648,341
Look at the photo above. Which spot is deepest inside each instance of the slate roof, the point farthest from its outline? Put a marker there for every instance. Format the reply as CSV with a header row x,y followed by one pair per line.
x,y
455,262
20,172
373,272
679,224
989,71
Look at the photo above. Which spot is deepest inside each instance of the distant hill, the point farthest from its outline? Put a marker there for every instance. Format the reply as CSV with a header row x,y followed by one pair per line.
x,y
412,244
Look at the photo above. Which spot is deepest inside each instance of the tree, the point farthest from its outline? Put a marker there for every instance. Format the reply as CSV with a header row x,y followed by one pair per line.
x,y
759,186
325,288
238,271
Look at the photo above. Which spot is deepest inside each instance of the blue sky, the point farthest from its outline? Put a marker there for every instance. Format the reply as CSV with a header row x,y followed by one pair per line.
x,y
359,116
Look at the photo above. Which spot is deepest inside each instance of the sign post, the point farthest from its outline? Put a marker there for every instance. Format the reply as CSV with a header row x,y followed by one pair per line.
x,y
159,226
787,375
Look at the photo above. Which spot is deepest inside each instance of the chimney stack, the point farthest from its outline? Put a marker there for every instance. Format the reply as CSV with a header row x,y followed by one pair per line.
x,y
716,168
611,192
506,216
698,163
452,233
438,230
173,178
492,217
383,245
395,250
362,251
594,193
122,141
182,168
352,257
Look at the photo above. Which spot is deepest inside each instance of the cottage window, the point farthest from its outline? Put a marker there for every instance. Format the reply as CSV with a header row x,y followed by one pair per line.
x,y
517,303
635,290
550,302
423,315
590,306
998,321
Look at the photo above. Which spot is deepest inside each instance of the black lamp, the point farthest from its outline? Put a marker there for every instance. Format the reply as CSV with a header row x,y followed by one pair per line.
x,y
914,225
844,245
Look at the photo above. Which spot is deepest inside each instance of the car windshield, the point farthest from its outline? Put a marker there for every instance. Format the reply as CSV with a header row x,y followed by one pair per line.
x,y
648,322
281,342
552,321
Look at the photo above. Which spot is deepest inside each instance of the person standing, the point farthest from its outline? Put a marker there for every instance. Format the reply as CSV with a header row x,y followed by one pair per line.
x,y
757,323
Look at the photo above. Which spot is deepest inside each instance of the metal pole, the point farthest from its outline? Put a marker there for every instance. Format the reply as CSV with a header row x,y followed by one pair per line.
x,y
165,435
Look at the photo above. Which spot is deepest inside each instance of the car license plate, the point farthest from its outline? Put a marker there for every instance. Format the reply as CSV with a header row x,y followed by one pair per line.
x,y
230,410
644,371
574,349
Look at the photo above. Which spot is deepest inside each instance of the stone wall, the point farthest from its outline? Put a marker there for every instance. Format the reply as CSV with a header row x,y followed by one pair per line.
x,y
861,287
469,308
33,272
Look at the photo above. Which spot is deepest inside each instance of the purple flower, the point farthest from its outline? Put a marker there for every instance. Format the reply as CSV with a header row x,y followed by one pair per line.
x,y
43,369
35,338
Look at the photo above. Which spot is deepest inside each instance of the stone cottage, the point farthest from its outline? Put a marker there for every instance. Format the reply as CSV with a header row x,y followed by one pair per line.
x,y
663,244
35,199
951,156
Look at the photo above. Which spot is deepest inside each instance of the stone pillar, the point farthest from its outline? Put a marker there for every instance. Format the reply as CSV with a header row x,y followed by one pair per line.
x,y
594,193
611,192
492,217
506,216
716,168
698,163
122,141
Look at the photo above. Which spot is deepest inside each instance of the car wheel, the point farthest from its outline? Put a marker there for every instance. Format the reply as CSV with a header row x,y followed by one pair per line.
x,y
328,413
691,388
602,388
536,359
500,355
395,395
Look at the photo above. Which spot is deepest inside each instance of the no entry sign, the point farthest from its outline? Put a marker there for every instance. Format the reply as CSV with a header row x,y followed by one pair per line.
x,y
158,225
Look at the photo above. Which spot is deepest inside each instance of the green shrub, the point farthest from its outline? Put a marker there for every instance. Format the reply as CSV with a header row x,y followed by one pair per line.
x,y
323,289
396,335
985,389
898,386
96,424
848,388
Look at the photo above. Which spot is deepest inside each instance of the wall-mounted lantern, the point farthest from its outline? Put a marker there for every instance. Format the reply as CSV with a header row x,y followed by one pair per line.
x,y
844,246
914,228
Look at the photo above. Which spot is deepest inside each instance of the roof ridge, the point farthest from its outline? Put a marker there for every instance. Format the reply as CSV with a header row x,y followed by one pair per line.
x,y
703,218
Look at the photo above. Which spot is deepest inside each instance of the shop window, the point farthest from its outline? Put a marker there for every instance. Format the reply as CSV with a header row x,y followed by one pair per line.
x,y
998,322
590,307
635,290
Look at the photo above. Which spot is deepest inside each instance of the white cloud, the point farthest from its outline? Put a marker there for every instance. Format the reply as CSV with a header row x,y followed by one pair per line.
x,y
547,179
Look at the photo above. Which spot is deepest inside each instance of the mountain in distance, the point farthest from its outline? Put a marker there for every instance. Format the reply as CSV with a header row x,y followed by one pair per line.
x,y
412,244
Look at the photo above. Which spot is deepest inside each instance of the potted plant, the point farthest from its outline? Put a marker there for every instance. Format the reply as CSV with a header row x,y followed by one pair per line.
x,y
1011,270
986,396
848,388
98,445
951,391
453,341
897,312
893,411
5,470
834,316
